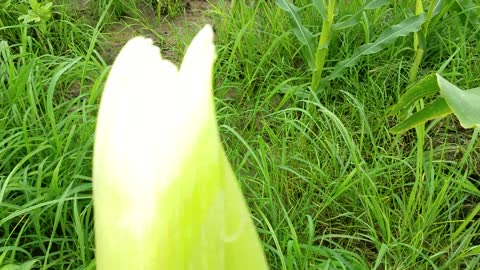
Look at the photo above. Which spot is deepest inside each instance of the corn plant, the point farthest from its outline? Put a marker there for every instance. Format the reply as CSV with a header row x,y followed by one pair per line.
x,y
436,10
165,196
316,58
463,104
322,48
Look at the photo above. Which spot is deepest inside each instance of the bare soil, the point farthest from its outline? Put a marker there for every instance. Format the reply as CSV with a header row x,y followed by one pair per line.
x,y
166,32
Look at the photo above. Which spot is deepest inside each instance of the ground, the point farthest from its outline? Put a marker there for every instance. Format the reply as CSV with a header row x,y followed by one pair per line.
x,y
166,32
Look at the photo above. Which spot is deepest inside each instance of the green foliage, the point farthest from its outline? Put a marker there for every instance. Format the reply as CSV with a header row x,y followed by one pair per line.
x,y
423,88
356,18
438,109
301,32
24,266
464,104
28,12
38,13
387,37
320,6
469,11
170,7
5,4
30,26
418,24
317,59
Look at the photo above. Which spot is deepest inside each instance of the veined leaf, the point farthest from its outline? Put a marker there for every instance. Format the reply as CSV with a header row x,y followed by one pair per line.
x,y
355,18
425,87
320,6
407,26
438,109
464,104
302,33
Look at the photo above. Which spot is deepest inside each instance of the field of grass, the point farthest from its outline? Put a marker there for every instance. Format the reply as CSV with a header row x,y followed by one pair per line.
x,y
328,186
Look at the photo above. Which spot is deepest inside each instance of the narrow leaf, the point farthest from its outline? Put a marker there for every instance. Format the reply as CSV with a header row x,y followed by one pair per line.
x,y
347,23
470,10
355,18
320,6
407,26
303,34
438,7
373,4
425,87
438,109
5,4
464,104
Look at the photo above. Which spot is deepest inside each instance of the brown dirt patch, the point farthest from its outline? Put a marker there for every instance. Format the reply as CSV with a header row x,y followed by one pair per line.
x,y
167,33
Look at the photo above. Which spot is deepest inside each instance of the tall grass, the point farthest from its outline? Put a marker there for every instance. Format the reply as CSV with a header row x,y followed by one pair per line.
x,y
328,186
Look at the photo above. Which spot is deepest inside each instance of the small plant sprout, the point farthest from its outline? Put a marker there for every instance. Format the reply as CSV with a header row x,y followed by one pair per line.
x,y
165,196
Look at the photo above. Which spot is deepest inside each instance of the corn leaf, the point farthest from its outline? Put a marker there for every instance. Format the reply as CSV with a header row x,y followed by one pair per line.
x,y
301,32
407,26
425,87
355,18
438,109
24,266
439,6
320,6
464,104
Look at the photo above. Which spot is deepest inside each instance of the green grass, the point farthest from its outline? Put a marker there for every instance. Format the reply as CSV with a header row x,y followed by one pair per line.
x,y
328,186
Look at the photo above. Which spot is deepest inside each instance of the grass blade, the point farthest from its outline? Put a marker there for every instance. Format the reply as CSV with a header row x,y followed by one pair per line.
x,y
469,11
355,18
301,32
